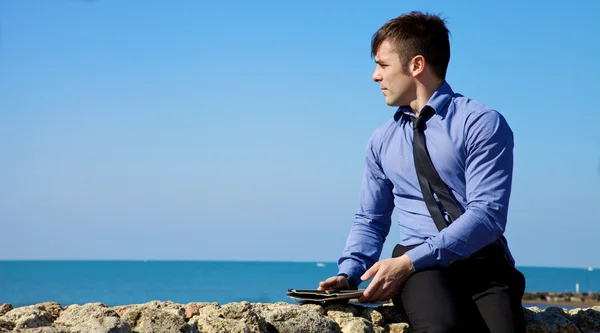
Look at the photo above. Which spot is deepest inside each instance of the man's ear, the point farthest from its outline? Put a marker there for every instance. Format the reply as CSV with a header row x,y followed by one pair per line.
x,y
417,65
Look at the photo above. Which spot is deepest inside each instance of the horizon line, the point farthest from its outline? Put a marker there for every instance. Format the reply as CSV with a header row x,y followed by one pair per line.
x,y
247,261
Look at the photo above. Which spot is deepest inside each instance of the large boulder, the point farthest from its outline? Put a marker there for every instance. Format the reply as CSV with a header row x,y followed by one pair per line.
x,y
27,317
551,320
157,317
588,320
91,317
287,318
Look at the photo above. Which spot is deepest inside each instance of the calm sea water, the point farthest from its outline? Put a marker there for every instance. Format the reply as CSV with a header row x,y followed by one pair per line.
x,y
127,282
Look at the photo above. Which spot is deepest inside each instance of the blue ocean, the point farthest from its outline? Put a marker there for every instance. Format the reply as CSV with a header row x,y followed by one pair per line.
x,y
127,282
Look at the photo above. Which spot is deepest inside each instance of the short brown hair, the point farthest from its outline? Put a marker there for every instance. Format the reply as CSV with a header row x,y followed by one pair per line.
x,y
417,33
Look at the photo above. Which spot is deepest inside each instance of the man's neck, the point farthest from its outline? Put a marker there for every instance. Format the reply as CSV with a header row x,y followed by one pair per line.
x,y
424,93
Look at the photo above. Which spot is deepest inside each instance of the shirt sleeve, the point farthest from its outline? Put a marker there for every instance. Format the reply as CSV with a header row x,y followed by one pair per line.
x,y
489,146
372,220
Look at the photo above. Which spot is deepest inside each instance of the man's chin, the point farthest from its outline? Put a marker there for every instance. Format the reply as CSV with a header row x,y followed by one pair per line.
x,y
392,103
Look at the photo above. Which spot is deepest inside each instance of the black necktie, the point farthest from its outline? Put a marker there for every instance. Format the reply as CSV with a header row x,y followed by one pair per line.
x,y
429,179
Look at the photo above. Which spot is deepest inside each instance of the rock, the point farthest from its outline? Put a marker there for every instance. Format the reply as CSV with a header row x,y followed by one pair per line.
x,y
551,320
172,307
573,312
373,316
91,317
300,319
193,309
351,309
390,314
312,307
588,321
156,317
209,310
245,313
558,320
5,324
28,317
341,313
120,309
357,325
340,317
534,309
398,328
53,308
218,325
533,323
4,308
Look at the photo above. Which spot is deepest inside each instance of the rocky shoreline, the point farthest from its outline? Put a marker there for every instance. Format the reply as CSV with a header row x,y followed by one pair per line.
x,y
562,299
158,316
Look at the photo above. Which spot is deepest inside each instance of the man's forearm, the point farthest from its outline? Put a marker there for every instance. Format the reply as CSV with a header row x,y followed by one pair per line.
x,y
363,245
373,219
472,231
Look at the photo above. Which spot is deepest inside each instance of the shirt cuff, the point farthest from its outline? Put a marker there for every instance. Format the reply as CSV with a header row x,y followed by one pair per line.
x,y
353,269
421,257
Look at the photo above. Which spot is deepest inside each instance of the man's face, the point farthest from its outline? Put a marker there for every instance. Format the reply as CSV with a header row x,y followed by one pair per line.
x,y
396,85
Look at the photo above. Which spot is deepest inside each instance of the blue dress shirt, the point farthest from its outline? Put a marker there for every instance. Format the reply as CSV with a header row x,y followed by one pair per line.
x,y
471,146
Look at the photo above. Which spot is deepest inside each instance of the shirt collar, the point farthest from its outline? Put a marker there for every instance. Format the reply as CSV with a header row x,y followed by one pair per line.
x,y
440,98
438,101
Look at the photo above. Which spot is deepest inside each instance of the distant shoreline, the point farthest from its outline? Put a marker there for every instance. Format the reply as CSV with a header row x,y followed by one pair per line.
x,y
531,303
562,299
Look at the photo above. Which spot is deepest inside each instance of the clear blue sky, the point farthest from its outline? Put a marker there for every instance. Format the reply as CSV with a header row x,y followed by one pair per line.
x,y
236,130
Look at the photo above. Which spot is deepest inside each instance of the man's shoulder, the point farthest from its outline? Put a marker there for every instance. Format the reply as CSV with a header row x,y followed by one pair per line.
x,y
480,121
381,133
468,106
472,110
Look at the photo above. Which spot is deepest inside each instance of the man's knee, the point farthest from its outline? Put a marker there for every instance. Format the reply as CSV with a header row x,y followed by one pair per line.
x,y
432,320
428,303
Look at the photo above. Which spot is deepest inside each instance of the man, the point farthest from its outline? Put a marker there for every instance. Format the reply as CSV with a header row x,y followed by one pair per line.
x,y
460,277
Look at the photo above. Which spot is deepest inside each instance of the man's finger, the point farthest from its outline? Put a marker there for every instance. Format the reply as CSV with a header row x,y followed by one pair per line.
x,y
386,296
334,282
374,285
384,293
327,283
370,272
379,294
367,295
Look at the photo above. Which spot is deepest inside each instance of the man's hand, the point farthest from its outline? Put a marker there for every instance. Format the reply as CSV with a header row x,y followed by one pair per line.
x,y
334,282
390,275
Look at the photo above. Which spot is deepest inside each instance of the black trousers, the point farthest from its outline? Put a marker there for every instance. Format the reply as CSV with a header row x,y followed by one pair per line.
x,y
480,294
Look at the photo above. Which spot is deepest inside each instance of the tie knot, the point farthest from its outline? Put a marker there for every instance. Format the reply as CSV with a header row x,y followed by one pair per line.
x,y
424,115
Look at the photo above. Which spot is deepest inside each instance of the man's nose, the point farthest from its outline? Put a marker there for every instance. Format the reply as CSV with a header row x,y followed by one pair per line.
x,y
376,76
